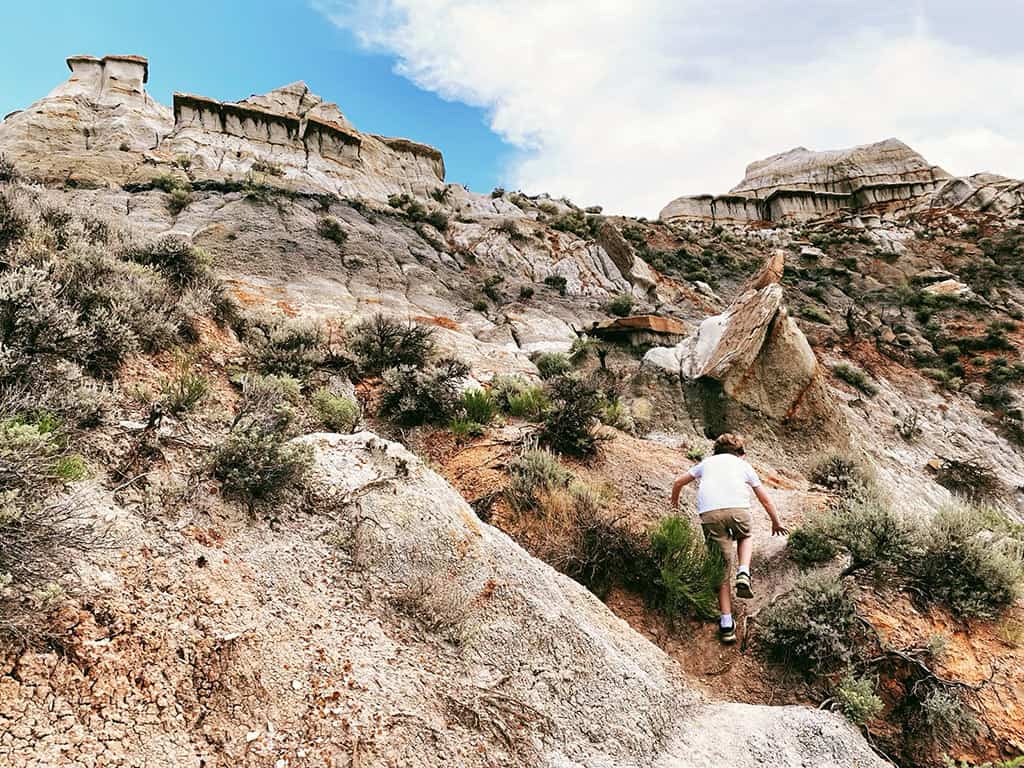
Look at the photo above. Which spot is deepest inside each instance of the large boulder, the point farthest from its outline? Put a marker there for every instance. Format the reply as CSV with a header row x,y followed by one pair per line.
x,y
751,363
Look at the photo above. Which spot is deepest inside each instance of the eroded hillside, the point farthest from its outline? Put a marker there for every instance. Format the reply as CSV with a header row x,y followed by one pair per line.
x,y
222,321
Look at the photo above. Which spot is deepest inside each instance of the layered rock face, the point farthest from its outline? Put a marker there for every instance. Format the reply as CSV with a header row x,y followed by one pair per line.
x,y
101,128
92,129
802,184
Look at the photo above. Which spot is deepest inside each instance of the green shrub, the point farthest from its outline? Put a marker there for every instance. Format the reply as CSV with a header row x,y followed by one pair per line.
x,y
557,282
287,346
945,718
8,171
380,343
969,478
480,305
339,413
967,566
817,314
689,572
257,467
615,414
534,472
491,289
268,167
814,627
478,405
552,364
437,220
412,395
695,453
518,397
810,545
568,425
178,201
15,220
621,305
857,698
268,404
578,223
70,468
841,472
173,257
168,182
184,389
855,377
463,429
525,292
329,228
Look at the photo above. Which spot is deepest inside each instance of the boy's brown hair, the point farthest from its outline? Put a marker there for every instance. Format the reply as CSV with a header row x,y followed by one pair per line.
x,y
730,443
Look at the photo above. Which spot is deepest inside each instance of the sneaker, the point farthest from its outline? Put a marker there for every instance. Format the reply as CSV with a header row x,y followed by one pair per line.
x,y
727,634
743,586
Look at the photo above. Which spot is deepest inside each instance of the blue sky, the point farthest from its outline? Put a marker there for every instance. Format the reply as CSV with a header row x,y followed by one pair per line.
x,y
228,49
621,103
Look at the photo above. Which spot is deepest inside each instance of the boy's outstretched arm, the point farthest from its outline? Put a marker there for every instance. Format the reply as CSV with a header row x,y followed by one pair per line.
x,y
684,480
778,529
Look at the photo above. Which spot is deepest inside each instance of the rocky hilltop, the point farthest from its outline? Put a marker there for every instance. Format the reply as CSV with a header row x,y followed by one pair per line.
x,y
884,177
272,393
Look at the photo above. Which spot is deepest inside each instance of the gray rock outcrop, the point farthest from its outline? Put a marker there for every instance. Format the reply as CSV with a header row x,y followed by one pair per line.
x,y
802,184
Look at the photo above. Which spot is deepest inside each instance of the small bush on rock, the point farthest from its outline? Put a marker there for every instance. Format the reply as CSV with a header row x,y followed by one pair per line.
x,y
621,305
267,404
855,377
184,389
842,473
380,343
257,467
966,565
329,228
339,413
174,257
558,282
411,395
552,364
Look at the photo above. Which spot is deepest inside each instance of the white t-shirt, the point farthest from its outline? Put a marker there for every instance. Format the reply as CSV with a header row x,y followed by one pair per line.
x,y
724,480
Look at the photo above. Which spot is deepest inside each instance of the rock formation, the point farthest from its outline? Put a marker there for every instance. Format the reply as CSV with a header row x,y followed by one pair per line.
x,y
750,363
802,184
101,128
391,625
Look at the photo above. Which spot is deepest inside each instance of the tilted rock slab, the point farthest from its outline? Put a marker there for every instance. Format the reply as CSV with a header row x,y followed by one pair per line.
x,y
752,361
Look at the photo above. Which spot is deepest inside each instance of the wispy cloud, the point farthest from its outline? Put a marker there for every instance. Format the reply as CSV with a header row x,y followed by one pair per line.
x,y
629,104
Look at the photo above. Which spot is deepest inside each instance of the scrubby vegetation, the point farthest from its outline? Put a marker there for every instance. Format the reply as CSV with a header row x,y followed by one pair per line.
x,y
279,345
412,395
621,305
689,572
552,364
855,377
257,466
339,413
568,425
330,228
381,343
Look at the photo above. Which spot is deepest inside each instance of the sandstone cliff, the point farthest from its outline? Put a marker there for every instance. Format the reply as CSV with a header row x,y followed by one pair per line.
x,y
887,176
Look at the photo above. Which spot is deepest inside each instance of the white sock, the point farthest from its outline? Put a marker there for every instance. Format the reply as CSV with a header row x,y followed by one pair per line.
x,y
743,569
726,620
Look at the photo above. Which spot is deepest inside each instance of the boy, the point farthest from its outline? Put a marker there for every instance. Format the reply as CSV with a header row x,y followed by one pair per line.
x,y
723,501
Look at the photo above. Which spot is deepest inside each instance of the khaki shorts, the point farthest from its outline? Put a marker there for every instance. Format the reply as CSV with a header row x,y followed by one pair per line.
x,y
727,525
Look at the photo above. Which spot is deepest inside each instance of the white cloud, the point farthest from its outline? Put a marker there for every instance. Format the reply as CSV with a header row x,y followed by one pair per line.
x,y
629,104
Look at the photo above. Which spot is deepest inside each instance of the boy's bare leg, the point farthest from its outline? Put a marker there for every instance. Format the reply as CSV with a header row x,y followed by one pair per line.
x,y
744,551
725,596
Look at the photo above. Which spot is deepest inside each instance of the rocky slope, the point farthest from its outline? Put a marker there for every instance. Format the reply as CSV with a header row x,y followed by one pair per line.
x,y
381,621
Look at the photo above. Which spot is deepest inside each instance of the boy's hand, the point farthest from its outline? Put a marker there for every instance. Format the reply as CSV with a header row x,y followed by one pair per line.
x,y
778,529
